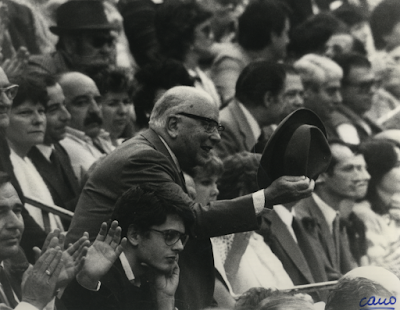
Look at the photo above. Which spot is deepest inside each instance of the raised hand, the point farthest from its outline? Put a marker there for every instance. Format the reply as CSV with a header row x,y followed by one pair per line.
x,y
101,255
288,189
41,281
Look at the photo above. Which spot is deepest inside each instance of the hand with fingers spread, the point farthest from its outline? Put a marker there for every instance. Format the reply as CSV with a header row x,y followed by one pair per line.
x,y
101,255
288,189
40,285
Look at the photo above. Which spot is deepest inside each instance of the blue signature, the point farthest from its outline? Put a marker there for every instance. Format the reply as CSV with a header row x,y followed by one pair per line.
x,y
379,302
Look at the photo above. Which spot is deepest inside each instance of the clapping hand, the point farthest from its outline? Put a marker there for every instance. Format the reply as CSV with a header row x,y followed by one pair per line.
x,y
101,255
73,257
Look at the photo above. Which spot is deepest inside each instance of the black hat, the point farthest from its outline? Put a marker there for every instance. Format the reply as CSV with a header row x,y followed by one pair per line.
x,y
297,147
81,14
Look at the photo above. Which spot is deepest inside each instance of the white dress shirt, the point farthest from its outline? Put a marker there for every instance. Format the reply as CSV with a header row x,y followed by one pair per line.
x,y
328,212
287,218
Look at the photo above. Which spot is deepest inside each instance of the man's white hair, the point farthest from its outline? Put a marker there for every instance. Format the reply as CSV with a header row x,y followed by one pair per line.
x,y
174,100
316,70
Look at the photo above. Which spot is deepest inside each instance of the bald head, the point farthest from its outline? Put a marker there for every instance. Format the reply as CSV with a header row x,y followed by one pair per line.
x,y
179,99
81,100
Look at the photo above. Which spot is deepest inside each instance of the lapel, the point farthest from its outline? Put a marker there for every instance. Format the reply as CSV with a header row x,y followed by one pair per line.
x,y
327,238
243,125
283,236
151,136
67,167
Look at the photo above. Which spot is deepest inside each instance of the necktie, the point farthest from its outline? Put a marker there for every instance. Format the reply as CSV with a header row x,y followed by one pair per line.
x,y
7,289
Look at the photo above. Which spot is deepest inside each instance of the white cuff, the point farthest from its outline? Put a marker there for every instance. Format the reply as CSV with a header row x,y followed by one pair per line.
x,y
25,306
259,201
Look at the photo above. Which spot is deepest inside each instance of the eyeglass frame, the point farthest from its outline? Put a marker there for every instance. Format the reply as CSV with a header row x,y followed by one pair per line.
x,y
165,232
209,121
4,90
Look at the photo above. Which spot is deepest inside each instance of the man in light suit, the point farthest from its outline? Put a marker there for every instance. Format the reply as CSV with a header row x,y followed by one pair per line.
x,y
258,103
50,158
346,179
183,130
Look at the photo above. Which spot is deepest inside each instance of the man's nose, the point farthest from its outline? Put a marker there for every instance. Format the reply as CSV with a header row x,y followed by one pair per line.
x,y
338,97
215,136
64,115
94,106
123,108
178,246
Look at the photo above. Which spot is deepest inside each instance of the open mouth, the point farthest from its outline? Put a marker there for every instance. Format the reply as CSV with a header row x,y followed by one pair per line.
x,y
206,148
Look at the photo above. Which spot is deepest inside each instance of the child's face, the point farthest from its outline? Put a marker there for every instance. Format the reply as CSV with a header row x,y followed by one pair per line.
x,y
206,188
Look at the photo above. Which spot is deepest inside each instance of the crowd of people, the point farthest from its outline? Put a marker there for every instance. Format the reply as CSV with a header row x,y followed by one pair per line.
x,y
133,138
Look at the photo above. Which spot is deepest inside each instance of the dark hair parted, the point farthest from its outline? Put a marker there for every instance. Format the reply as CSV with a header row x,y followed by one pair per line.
x,y
258,21
149,204
240,175
350,61
383,19
349,14
350,291
354,148
161,75
32,87
175,26
114,80
258,78
4,178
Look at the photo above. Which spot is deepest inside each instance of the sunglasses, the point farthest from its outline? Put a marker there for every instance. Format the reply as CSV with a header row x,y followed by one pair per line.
x,y
100,41
10,91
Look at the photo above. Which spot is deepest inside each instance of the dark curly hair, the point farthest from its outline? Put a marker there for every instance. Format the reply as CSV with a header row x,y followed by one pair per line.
x,y
175,26
240,175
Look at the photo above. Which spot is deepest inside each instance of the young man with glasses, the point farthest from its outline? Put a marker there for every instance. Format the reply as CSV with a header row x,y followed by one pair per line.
x,y
153,219
358,87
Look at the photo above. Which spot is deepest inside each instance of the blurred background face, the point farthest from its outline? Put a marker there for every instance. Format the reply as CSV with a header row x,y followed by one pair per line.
x,y
27,125
338,44
206,188
115,109
5,101
82,101
203,39
358,89
293,94
57,115
280,41
390,182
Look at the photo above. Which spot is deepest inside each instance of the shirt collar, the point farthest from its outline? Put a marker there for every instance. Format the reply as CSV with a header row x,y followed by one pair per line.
x,y
79,134
46,150
128,270
255,128
285,215
328,212
171,153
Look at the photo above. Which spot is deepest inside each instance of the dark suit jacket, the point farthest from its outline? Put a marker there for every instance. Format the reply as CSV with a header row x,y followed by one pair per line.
x,y
145,159
62,184
339,255
237,136
116,293
303,260
33,234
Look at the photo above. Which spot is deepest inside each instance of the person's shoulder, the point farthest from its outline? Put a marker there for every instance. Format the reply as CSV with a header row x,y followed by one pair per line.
x,y
303,207
228,51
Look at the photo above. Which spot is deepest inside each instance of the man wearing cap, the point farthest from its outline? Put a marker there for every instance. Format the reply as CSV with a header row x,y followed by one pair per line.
x,y
258,103
85,44
344,182
184,128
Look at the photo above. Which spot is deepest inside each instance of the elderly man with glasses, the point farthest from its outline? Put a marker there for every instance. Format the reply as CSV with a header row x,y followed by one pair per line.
x,y
184,128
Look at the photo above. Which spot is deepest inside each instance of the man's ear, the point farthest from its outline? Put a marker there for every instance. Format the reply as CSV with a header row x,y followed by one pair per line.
x,y
70,44
172,126
133,236
268,99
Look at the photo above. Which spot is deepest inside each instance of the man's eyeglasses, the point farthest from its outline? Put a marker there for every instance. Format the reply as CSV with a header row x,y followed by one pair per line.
x,y
209,124
172,236
364,87
10,91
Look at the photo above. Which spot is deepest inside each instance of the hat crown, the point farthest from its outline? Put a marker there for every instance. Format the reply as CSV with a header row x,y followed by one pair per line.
x,y
77,14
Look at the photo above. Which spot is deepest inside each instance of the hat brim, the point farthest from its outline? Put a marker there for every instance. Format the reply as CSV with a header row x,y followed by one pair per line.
x,y
297,118
57,30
